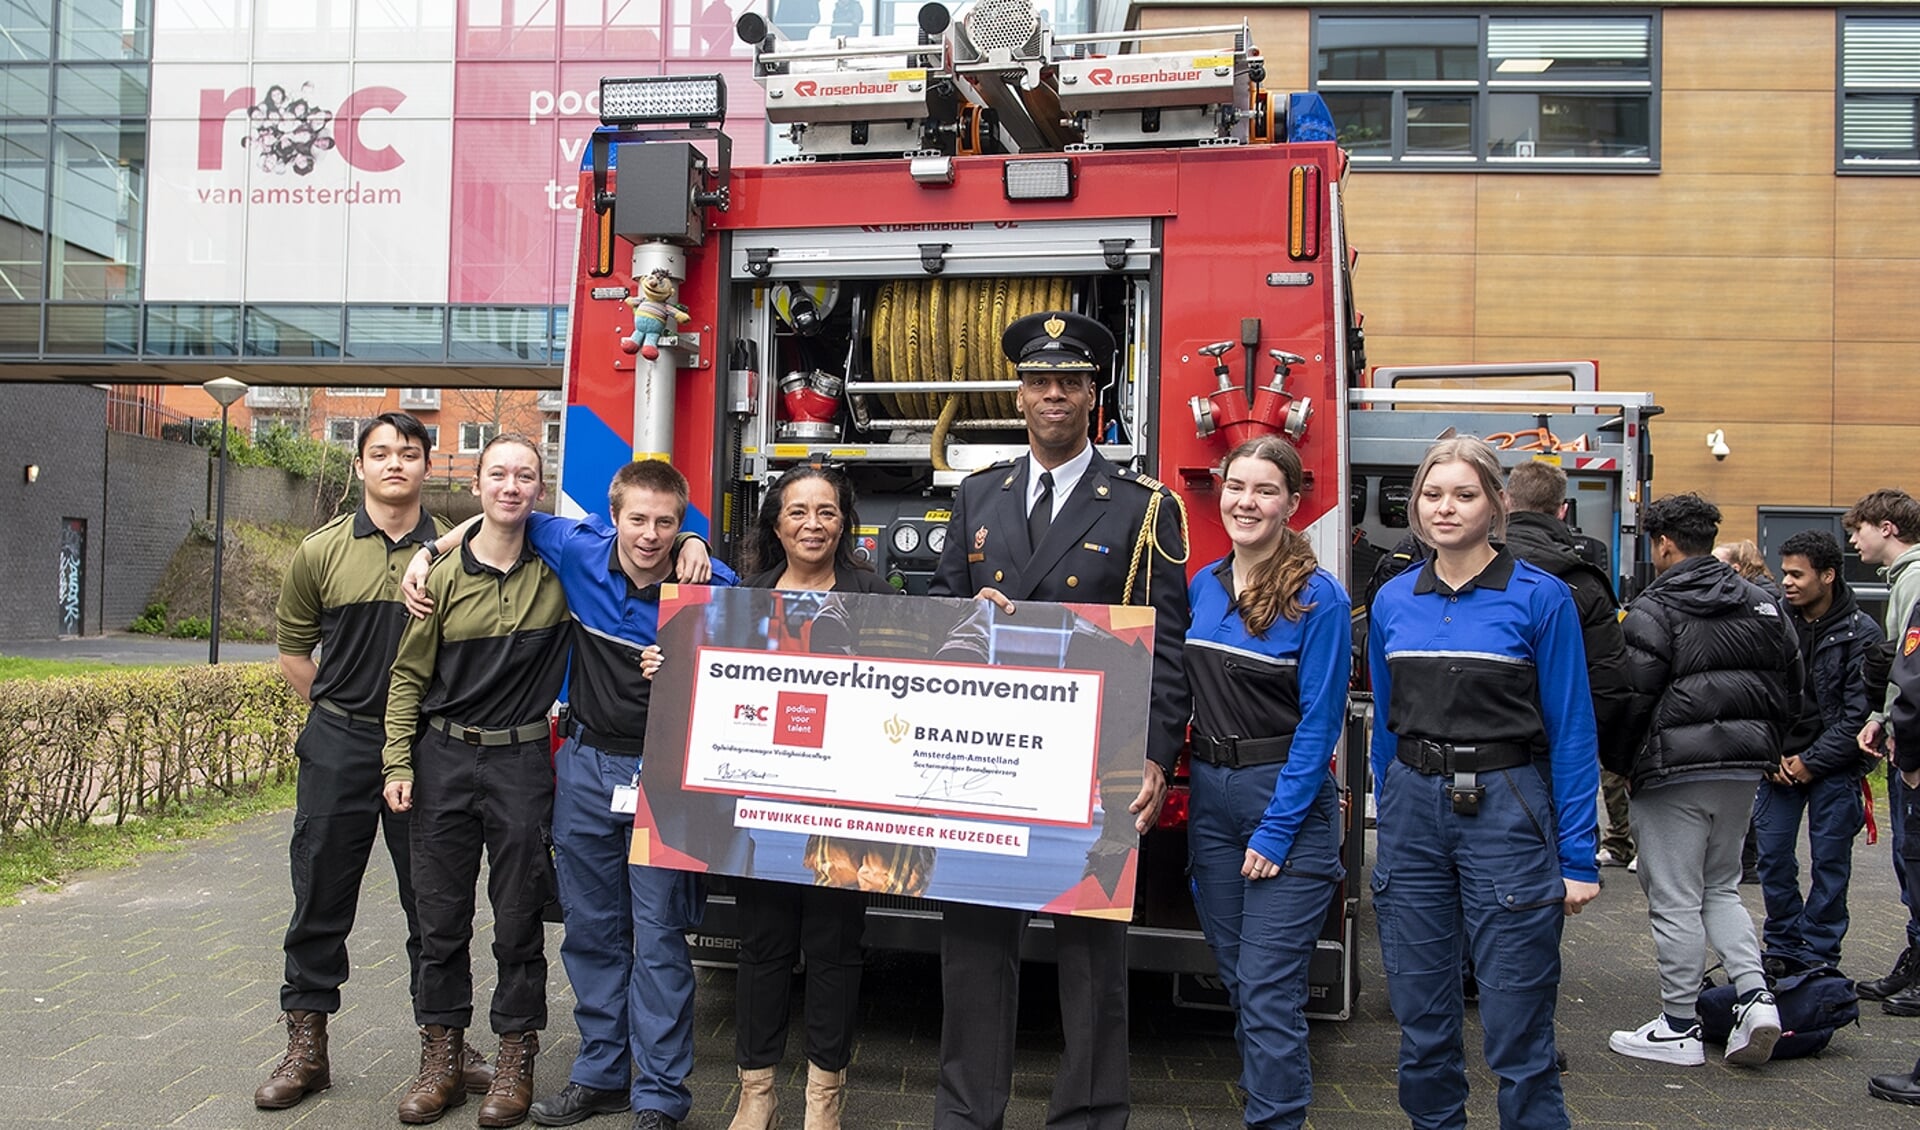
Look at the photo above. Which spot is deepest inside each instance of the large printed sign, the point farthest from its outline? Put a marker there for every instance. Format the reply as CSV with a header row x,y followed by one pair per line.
x,y
914,746
369,151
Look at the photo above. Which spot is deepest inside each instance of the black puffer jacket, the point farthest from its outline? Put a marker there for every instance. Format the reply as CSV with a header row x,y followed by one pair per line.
x,y
1834,650
1715,669
1544,541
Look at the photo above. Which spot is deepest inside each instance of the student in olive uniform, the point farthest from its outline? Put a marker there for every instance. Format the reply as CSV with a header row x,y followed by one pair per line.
x,y
1061,524
625,947
467,755
342,595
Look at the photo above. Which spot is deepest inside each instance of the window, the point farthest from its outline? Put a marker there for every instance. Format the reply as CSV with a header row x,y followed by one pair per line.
x,y
1879,93
552,433
474,436
343,430
355,390
1512,92
433,436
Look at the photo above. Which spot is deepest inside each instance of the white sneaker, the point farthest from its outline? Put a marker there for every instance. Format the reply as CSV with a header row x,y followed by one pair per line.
x,y
1654,1040
1635,865
1605,858
1756,1028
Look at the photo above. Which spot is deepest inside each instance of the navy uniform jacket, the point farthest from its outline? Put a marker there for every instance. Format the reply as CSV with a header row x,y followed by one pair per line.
x,y
1085,559
1499,660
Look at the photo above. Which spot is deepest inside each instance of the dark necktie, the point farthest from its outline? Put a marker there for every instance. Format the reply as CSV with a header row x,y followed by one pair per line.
x,y
1040,518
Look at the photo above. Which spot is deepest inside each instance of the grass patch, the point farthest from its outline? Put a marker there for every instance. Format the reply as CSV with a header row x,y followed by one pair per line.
x,y
19,667
42,862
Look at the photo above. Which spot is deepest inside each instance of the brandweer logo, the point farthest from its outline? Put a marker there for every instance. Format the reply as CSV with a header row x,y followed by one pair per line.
x,y
807,88
1104,76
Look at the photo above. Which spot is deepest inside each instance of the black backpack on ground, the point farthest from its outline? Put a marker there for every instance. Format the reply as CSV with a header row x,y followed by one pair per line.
x,y
1813,1000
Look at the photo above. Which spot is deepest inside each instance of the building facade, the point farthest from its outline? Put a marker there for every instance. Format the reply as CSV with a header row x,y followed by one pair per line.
x,y
1715,201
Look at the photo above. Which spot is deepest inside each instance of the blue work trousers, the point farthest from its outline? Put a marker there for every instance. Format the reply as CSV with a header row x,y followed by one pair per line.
x,y
1812,927
625,948
1263,932
1897,797
1493,880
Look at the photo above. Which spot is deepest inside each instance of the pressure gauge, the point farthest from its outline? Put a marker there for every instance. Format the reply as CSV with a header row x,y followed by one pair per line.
x,y
906,539
937,540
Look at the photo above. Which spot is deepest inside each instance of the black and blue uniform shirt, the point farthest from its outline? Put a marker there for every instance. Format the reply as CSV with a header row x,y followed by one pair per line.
x,y
613,621
342,595
1501,659
1291,680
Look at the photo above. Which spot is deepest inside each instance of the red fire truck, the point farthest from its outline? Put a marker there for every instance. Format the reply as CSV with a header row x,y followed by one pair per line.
x,y
845,305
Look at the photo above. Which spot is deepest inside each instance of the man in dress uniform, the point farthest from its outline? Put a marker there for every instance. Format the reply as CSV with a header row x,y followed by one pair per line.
x,y
1062,524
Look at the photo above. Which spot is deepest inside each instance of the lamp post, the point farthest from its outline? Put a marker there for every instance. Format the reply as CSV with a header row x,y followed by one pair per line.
x,y
226,390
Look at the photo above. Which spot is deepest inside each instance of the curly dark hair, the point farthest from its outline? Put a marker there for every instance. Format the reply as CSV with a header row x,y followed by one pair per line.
x,y
1690,521
1817,546
763,550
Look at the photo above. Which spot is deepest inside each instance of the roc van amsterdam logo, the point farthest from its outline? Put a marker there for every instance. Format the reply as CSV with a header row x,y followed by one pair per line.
x,y
293,132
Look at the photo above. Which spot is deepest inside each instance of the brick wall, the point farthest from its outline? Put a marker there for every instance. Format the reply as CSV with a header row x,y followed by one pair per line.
x,y
61,430
155,491
139,497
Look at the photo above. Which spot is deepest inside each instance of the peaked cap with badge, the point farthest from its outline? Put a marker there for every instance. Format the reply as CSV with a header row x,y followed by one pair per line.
x,y
1059,341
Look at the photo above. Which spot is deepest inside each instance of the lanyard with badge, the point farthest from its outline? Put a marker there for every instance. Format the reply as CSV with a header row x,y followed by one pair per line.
x,y
626,798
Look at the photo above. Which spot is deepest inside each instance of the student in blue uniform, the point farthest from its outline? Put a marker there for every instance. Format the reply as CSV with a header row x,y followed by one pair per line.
x,y
1485,773
1268,657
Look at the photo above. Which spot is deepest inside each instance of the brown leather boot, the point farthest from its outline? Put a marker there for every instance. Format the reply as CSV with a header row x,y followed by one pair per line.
x,y
759,1104
439,1085
304,1069
826,1095
512,1090
475,1071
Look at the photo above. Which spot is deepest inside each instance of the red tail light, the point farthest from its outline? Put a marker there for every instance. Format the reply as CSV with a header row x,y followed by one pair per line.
x,y
1173,814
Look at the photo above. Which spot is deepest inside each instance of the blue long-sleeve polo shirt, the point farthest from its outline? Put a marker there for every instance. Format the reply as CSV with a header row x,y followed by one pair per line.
x,y
1291,679
1499,660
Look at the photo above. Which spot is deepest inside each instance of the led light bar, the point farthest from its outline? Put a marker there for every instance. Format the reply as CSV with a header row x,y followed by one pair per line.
x,y
1047,179
663,98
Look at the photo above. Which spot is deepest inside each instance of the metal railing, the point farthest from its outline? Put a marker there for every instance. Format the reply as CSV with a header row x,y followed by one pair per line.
x,y
136,412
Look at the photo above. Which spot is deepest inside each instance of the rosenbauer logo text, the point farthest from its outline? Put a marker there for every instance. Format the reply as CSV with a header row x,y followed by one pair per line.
x,y
807,88
1103,76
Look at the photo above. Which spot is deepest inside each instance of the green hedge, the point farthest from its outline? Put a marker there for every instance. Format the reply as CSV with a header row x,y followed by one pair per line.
x,y
119,744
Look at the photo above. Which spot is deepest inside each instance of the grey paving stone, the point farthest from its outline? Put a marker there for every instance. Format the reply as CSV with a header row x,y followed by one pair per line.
x,y
149,997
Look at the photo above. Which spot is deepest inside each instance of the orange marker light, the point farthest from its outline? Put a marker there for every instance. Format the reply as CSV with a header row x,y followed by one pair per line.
x,y
1303,212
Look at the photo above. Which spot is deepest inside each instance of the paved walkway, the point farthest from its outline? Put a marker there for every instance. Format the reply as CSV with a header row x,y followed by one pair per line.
x,y
147,997
131,647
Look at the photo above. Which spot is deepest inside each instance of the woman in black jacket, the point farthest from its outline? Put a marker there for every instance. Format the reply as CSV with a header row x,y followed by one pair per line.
x,y
801,543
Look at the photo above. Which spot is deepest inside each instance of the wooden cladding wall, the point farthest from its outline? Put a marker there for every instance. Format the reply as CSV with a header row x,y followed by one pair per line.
x,y
1745,284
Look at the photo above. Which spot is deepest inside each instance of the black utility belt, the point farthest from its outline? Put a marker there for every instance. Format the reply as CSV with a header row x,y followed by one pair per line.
x,y
1440,759
477,735
1240,753
605,743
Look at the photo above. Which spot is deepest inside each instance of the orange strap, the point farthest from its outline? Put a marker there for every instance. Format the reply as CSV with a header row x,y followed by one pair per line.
x,y
1873,829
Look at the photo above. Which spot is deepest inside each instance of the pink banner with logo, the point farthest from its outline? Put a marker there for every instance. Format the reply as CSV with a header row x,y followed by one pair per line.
x,y
362,153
